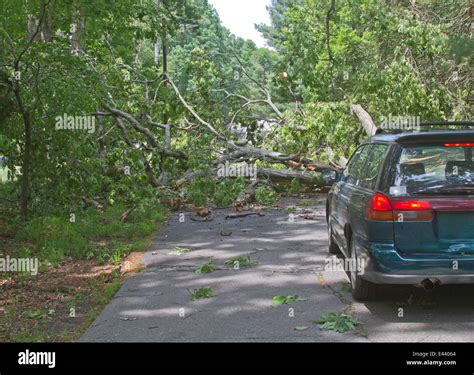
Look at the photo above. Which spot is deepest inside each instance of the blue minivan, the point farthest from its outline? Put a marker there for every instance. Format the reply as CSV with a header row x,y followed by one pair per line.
x,y
403,210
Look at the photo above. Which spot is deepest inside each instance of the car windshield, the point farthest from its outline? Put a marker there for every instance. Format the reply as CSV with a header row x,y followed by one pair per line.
x,y
435,169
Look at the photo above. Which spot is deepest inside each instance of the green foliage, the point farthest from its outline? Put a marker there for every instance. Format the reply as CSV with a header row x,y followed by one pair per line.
x,y
202,293
54,238
265,195
336,322
228,190
203,190
200,191
384,56
390,57
295,187
301,328
287,300
206,268
180,251
346,287
304,203
35,314
118,252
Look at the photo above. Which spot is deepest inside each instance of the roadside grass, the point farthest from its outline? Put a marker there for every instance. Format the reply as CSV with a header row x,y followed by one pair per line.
x,y
84,262
41,326
346,287
53,239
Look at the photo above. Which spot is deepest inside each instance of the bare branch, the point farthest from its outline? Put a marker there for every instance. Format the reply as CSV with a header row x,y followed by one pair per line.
x,y
193,112
365,119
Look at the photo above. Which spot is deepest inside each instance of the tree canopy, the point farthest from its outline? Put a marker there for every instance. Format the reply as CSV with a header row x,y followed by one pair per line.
x,y
166,88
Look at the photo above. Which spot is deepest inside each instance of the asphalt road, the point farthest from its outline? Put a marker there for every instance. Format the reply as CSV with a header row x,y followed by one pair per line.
x,y
290,248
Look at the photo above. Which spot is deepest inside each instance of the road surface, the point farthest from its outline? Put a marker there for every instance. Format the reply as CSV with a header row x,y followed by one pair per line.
x,y
289,248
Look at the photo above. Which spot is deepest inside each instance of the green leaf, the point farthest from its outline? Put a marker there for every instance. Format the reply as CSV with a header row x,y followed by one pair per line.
x,y
206,268
202,293
180,251
337,322
287,300
301,328
35,314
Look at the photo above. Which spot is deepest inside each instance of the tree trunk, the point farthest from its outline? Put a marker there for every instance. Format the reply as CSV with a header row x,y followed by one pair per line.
x,y
164,173
26,152
78,28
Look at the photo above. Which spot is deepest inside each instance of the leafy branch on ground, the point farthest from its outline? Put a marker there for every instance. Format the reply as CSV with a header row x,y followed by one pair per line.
x,y
202,293
337,322
287,300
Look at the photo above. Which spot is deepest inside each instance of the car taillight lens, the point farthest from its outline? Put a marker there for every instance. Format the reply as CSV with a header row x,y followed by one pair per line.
x,y
469,144
380,203
411,205
382,209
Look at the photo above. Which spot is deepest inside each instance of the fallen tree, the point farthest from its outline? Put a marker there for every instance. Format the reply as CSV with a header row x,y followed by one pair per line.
x,y
299,167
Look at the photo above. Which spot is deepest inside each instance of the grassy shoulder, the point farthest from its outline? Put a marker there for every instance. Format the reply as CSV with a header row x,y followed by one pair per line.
x,y
83,260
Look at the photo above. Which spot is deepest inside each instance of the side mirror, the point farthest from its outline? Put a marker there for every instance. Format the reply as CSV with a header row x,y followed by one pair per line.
x,y
329,176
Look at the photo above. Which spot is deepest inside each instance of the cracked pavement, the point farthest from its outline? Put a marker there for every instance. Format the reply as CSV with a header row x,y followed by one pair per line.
x,y
291,250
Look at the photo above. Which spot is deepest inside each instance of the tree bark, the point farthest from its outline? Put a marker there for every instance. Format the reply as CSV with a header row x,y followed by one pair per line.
x,y
26,159
78,31
92,202
365,119
285,174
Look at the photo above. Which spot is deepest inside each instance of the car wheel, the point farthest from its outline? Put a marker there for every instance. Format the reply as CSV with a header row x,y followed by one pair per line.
x,y
333,248
362,290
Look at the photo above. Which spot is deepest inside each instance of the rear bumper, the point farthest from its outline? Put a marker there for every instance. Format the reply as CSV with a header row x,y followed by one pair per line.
x,y
383,264
383,278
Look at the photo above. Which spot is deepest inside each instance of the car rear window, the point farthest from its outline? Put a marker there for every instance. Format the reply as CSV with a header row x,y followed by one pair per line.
x,y
435,169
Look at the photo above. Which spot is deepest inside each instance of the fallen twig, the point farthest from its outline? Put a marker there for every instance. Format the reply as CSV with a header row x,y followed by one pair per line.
x,y
239,215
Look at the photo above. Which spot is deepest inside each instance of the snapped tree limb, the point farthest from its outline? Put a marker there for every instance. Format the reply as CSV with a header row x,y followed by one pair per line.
x,y
365,119
145,131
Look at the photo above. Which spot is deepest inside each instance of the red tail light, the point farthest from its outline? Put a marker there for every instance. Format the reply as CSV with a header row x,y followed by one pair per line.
x,y
459,145
411,205
380,203
382,209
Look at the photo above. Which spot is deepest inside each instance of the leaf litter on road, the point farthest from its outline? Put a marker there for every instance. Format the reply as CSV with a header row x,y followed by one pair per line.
x,y
202,293
337,322
287,300
180,251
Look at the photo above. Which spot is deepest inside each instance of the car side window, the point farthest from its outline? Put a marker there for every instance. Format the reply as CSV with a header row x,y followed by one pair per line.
x,y
355,169
372,166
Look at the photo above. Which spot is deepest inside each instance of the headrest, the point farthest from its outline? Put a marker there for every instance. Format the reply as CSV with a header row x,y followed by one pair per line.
x,y
416,169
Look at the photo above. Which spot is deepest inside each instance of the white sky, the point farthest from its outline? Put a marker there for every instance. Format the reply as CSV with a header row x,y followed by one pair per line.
x,y
240,16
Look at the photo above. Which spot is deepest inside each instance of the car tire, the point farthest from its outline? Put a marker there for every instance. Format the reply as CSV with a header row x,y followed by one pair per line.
x,y
333,248
362,290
